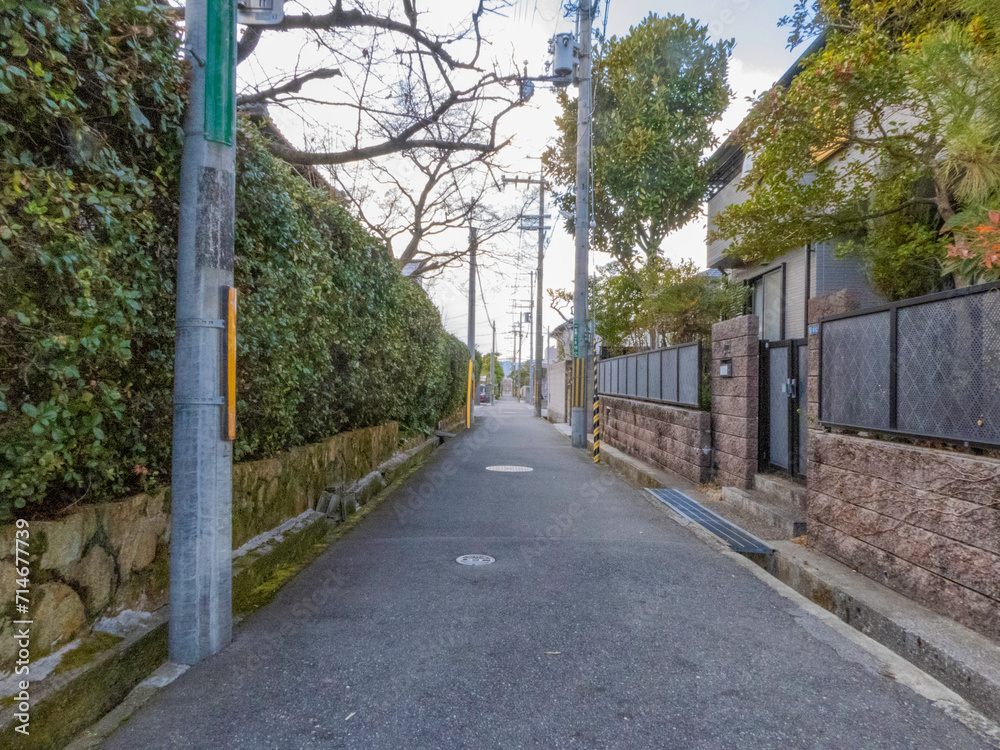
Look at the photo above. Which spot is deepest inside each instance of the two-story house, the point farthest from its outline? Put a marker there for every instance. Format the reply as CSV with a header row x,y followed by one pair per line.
x,y
781,290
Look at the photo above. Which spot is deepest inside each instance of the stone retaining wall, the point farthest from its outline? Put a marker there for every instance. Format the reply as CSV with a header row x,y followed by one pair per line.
x,y
100,560
671,437
924,522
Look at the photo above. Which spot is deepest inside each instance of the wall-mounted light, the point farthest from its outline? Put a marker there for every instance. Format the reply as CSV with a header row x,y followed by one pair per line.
x,y
726,368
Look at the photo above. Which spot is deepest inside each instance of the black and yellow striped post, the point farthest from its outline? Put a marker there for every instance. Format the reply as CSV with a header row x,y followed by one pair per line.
x,y
597,416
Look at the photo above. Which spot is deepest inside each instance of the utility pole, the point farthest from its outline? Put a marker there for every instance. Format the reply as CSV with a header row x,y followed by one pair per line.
x,y
531,337
517,368
537,393
541,228
493,362
201,476
581,344
473,243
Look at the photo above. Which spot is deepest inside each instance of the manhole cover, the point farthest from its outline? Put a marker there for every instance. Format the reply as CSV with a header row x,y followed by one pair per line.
x,y
509,468
474,560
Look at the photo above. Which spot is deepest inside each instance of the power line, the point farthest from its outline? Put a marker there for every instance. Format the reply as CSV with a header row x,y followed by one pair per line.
x,y
483,297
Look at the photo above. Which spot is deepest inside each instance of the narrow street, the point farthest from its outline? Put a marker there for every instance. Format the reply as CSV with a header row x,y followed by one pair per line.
x,y
602,624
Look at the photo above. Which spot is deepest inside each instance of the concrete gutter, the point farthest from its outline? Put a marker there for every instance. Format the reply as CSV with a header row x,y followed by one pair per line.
x,y
961,659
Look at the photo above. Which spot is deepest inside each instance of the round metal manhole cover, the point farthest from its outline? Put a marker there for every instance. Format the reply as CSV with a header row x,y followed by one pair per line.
x,y
474,560
509,468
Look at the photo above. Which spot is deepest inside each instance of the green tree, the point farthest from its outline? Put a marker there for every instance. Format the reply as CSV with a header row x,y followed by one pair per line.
x,y
657,92
617,305
887,136
497,372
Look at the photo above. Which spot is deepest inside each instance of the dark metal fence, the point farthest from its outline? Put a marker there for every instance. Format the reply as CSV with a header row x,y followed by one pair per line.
x,y
923,367
668,376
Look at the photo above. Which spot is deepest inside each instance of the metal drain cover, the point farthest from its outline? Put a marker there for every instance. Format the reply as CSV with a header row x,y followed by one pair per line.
x,y
474,560
509,468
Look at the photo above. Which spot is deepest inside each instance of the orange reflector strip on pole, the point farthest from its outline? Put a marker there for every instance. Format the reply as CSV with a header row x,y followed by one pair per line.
x,y
231,366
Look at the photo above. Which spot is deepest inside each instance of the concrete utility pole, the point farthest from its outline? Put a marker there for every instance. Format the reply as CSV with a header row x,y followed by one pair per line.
x,y
541,228
537,393
517,366
473,378
493,361
201,543
581,344
531,337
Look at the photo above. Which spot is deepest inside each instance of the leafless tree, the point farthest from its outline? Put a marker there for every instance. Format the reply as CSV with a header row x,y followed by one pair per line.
x,y
413,200
398,110
393,83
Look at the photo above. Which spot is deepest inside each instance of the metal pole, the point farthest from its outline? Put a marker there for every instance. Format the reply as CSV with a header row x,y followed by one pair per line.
x,y
538,296
581,346
473,243
201,476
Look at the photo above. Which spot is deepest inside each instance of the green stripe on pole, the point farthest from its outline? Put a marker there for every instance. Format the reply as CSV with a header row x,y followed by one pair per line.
x,y
220,72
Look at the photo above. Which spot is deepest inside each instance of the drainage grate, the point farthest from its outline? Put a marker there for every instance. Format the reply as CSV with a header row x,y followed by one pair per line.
x,y
474,560
509,468
738,539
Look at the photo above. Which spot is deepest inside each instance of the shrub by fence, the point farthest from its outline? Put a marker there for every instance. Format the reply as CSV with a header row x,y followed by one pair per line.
x,y
331,336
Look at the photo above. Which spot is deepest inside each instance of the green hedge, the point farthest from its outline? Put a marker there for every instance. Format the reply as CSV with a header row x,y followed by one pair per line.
x,y
331,336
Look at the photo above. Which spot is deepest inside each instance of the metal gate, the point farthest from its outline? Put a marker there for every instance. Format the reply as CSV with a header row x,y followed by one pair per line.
x,y
784,368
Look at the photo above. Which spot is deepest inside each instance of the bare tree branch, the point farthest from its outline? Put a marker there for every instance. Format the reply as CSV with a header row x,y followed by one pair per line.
x,y
338,18
290,87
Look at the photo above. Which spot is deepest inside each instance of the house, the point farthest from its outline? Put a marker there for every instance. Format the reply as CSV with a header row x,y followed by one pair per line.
x,y
781,291
782,288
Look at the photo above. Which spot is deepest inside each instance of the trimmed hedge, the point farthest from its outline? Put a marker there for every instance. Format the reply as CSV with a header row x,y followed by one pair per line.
x,y
331,336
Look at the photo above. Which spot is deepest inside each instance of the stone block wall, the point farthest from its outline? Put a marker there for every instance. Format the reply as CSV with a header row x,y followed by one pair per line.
x,y
557,391
924,522
671,437
734,400
100,560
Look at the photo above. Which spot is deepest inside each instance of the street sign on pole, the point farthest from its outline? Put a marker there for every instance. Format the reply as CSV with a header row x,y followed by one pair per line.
x,y
260,12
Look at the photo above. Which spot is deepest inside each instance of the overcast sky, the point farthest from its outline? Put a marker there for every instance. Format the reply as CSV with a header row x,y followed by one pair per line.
x,y
759,58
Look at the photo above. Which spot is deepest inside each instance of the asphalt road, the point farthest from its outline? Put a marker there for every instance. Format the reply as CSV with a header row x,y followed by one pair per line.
x,y
602,624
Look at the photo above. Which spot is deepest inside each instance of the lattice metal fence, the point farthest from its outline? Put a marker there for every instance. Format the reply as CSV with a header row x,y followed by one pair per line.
x,y
668,376
927,367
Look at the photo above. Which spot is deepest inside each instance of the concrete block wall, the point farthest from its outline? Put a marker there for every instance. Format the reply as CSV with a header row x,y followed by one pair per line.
x,y
670,437
734,400
557,391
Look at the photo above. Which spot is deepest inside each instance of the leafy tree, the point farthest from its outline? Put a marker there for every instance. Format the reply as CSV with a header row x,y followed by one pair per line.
x,y
497,372
682,303
657,92
617,305
662,303
887,136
